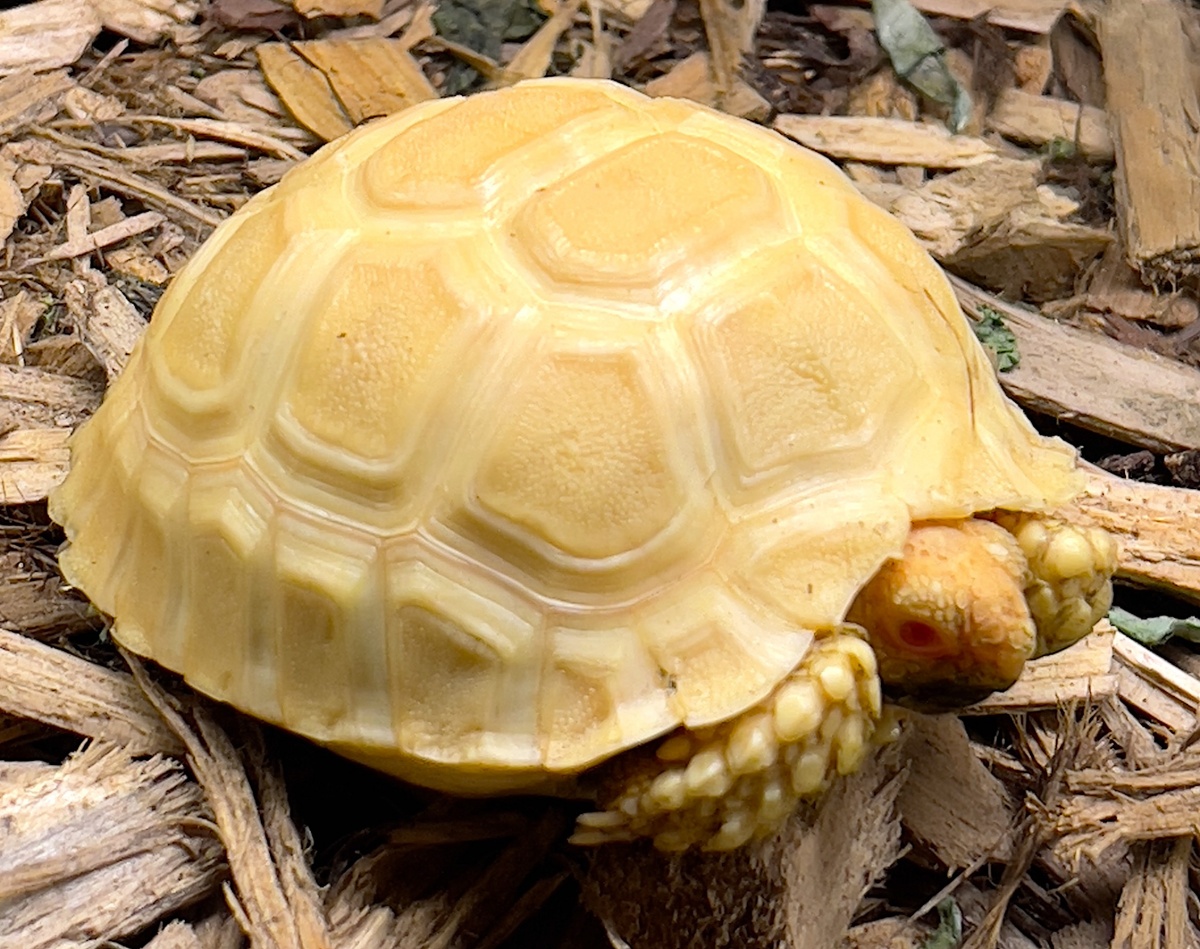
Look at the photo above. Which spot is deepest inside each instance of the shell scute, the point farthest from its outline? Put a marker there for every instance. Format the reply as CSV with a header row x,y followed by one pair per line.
x,y
678,193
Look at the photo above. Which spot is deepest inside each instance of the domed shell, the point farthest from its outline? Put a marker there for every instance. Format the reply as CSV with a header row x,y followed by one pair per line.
x,y
511,431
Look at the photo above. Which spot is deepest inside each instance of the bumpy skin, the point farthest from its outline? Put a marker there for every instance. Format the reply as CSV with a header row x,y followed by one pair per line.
x,y
951,620
518,431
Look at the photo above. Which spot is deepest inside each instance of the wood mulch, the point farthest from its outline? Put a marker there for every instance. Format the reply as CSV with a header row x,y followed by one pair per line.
x,y
1061,814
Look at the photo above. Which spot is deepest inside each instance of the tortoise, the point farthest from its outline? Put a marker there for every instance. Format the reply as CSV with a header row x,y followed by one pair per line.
x,y
558,439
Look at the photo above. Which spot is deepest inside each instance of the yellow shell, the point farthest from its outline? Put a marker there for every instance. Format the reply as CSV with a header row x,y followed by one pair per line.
x,y
512,431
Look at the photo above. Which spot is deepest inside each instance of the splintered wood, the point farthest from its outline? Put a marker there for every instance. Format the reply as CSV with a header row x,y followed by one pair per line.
x,y
1149,55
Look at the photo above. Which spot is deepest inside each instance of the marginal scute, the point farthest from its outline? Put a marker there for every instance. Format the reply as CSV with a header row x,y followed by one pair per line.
x,y
677,192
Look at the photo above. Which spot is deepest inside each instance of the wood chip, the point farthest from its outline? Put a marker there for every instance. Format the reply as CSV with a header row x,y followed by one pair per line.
x,y
1030,254
532,60
1154,107
26,99
107,322
953,805
46,34
54,687
105,237
33,461
885,141
730,27
1029,16
1153,912
147,21
855,837
1113,287
31,397
339,8
1039,120
1155,686
100,848
1095,382
304,90
370,77
275,893
692,79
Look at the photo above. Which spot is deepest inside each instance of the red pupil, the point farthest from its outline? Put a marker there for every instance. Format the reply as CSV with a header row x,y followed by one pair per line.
x,y
918,635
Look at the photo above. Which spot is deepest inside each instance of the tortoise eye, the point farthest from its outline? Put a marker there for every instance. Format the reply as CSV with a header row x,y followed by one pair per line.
x,y
919,636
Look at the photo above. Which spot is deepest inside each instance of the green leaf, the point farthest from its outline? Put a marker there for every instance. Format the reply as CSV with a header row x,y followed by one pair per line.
x,y
949,932
1155,630
998,338
483,25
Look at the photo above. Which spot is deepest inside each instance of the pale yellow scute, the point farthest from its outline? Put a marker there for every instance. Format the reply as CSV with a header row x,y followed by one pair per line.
x,y
1010,464
375,342
436,162
809,558
803,367
581,457
675,194
202,339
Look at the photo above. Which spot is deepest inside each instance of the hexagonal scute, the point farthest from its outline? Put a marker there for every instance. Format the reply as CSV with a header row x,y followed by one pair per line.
x,y
438,162
584,457
677,196
802,369
201,326
370,373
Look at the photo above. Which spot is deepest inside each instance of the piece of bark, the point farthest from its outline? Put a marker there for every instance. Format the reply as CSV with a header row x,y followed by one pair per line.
x,y
54,687
950,802
1095,382
1038,120
100,848
692,79
885,141
370,77
33,598
275,899
1156,687
1030,254
33,461
1113,287
1154,110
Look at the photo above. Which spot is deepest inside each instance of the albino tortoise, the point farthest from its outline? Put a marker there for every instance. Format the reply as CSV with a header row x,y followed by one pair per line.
x,y
512,433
